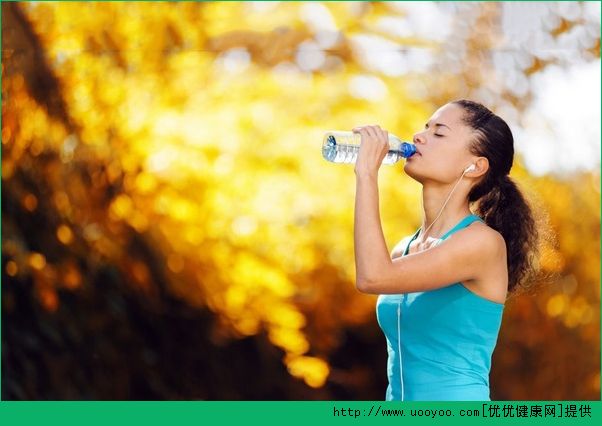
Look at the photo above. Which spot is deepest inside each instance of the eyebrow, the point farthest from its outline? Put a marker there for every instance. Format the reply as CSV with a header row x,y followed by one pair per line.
x,y
438,125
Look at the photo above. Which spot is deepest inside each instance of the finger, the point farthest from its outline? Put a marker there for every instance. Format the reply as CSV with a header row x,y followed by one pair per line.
x,y
372,132
378,131
386,135
363,133
379,134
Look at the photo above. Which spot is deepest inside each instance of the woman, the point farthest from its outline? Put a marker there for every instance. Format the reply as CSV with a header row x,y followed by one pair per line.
x,y
442,291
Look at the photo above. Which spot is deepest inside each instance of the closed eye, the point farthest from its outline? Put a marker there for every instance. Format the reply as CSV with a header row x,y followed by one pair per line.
x,y
426,126
440,136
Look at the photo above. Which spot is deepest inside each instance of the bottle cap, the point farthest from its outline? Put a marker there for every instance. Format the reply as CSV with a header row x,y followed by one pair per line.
x,y
407,149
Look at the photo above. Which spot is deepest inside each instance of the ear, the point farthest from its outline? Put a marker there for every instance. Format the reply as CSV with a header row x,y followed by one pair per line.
x,y
481,166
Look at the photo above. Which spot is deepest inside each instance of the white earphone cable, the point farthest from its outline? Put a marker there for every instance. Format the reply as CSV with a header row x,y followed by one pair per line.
x,y
399,303
440,211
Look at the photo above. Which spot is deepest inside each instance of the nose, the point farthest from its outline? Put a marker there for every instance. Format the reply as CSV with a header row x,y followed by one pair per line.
x,y
418,138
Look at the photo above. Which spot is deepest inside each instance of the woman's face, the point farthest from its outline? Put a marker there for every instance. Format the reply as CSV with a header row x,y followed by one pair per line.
x,y
442,147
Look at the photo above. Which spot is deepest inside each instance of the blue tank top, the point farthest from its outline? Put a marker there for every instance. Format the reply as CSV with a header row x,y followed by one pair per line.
x,y
439,342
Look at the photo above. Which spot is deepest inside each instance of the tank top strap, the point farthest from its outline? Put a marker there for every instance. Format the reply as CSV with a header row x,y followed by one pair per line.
x,y
412,239
462,224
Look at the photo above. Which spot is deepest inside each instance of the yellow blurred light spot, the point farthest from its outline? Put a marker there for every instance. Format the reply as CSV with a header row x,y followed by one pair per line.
x,y
129,163
262,114
223,164
49,299
286,316
234,299
175,263
248,326
6,134
182,210
57,131
572,319
113,172
162,160
314,371
193,235
11,268
244,225
556,305
139,222
72,279
145,183
111,94
61,201
580,312
249,269
37,261
161,203
8,168
37,146
122,206
587,315
293,341
64,234
30,202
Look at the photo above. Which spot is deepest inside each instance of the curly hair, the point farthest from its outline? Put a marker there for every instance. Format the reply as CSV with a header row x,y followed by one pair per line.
x,y
501,203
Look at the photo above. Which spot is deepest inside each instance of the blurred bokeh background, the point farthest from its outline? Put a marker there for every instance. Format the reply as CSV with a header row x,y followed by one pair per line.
x,y
171,231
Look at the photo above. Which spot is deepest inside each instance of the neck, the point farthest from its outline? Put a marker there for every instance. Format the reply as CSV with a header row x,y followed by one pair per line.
x,y
433,198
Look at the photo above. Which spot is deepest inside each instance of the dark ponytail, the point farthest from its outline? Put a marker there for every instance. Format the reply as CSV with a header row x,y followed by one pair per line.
x,y
500,202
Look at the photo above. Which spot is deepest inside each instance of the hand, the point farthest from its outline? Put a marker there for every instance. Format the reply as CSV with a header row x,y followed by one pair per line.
x,y
373,148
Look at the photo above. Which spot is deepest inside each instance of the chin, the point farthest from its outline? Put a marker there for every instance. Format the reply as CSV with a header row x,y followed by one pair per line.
x,y
408,170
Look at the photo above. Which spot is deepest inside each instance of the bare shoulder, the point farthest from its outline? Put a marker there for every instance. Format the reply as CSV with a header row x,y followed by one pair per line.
x,y
482,238
487,248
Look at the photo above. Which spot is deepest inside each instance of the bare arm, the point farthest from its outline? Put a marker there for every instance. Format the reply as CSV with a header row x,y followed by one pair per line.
x,y
371,254
464,256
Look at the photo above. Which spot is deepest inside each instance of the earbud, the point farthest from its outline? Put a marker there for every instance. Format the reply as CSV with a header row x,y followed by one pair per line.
x,y
470,168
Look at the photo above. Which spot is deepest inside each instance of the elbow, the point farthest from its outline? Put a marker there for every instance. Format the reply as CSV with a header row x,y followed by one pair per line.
x,y
371,282
364,285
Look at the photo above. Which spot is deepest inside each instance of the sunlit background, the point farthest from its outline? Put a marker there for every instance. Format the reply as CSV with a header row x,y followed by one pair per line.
x,y
171,231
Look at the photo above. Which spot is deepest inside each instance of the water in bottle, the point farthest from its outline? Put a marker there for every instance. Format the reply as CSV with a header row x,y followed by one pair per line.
x,y
343,147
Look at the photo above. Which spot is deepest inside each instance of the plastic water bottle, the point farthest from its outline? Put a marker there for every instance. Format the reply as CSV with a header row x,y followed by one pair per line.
x,y
343,147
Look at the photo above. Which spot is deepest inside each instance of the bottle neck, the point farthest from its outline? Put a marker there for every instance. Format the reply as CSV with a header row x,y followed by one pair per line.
x,y
395,139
